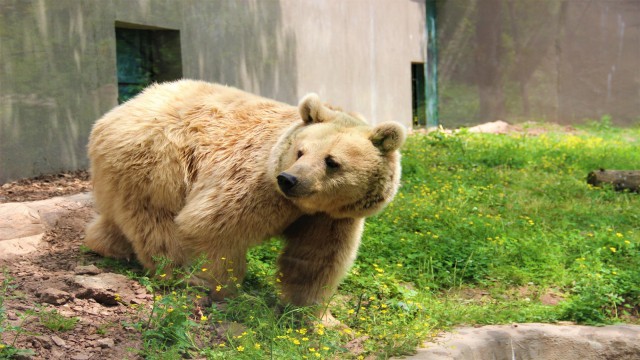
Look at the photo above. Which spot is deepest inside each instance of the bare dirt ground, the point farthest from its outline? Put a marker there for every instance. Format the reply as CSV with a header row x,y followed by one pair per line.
x,y
45,187
59,277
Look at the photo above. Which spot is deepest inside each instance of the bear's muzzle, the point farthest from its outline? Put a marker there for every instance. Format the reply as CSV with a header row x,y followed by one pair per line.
x,y
287,182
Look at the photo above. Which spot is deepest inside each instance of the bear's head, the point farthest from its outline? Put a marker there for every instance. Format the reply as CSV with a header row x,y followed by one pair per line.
x,y
335,163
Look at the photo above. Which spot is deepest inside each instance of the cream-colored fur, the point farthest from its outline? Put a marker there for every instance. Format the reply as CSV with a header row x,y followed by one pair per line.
x,y
190,168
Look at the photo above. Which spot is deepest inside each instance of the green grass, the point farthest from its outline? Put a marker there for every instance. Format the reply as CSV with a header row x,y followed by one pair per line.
x,y
483,228
55,321
9,350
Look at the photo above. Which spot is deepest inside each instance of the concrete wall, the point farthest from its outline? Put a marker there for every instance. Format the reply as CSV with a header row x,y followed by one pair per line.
x,y
58,62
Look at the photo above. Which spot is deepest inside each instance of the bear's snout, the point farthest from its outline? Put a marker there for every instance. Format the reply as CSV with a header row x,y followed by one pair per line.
x,y
286,182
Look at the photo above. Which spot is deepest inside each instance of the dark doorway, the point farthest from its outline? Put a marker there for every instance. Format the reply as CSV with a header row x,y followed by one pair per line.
x,y
144,56
419,98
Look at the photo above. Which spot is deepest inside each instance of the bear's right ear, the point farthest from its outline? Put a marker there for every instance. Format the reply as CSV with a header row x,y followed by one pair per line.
x,y
311,109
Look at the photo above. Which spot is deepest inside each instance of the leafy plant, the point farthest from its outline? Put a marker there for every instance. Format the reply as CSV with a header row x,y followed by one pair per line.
x,y
55,321
9,350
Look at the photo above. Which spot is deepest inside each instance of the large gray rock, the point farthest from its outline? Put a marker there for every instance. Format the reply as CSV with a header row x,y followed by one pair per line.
x,y
535,341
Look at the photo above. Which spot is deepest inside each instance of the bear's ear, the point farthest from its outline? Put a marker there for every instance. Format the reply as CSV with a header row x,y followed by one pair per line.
x,y
388,136
311,109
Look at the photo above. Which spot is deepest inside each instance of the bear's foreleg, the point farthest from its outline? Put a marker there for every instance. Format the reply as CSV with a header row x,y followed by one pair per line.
x,y
222,271
224,255
318,253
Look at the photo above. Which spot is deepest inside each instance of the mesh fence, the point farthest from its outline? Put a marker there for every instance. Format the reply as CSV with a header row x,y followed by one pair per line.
x,y
518,60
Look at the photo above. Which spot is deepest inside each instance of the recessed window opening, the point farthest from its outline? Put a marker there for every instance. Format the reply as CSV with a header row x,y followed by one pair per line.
x,y
144,56
419,97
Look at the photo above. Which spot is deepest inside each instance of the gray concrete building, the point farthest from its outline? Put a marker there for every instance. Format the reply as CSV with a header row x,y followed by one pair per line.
x,y
64,63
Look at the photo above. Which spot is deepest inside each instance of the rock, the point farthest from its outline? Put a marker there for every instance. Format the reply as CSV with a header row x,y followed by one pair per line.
x,y
80,356
54,296
44,341
22,357
51,210
22,225
105,343
23,307
58,341
230,329
12,316
535,341
141,291
356,346
18,220
19,246
106,288
496,127
87,270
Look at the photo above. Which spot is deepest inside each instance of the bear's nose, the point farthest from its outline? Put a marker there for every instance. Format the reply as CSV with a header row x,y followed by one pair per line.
x,y
286,182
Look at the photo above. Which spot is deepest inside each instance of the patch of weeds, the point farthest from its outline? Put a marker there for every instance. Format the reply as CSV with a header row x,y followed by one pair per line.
x,y
8,350
175,324
605,291
250,325
103,329
55,321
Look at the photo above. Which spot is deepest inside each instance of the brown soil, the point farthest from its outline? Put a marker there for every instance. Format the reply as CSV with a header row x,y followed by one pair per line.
x,y
48,276
45,187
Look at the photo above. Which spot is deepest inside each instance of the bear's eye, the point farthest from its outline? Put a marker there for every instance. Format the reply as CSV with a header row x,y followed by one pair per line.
x,y
331,163
300,153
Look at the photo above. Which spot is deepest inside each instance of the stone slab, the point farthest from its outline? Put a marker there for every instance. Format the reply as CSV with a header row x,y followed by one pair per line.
x,y
534,341
22,225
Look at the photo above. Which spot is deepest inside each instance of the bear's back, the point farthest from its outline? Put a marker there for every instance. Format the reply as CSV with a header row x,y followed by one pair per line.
x,y
159,144
212,122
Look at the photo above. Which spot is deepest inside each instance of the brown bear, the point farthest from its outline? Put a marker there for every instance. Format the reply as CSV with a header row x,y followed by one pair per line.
x,y
188,168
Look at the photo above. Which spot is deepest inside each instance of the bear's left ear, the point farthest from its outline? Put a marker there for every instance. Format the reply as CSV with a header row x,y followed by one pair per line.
x,y
388,136
312,110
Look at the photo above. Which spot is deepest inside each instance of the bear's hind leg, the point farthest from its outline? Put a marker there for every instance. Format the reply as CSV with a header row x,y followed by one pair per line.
x,y
105,238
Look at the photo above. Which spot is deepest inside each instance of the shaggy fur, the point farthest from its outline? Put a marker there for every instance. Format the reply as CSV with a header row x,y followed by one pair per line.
x,y
189,168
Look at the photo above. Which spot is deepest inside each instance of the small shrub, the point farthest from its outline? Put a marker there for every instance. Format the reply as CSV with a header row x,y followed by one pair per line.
x,y
55,321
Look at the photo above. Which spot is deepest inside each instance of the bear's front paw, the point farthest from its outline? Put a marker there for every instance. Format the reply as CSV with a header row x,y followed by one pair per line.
x,y
328,321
